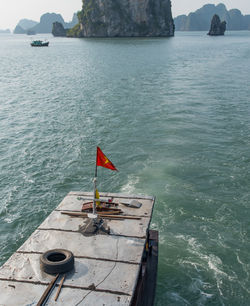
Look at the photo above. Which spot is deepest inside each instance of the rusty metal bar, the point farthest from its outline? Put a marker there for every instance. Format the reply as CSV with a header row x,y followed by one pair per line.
x,y
60,287
47,291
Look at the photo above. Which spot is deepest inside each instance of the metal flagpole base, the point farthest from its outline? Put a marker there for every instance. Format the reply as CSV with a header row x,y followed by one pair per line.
x,y
94,226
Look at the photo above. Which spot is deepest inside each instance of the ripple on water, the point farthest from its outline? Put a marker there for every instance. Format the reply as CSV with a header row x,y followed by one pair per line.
x,y
168,115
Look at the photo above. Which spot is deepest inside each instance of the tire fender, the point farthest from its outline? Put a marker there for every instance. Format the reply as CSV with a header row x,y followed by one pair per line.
x,y
57,261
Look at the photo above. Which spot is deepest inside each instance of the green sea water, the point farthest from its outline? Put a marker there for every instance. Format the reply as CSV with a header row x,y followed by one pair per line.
x,y
173,115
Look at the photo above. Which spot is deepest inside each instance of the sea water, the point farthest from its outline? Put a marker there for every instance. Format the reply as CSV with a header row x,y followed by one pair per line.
x,y
172,114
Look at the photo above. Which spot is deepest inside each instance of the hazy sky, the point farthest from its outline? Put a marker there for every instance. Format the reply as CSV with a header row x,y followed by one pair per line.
x,y
11,11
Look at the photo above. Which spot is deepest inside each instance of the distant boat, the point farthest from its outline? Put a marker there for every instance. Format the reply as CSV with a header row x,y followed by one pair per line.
x,y
39,43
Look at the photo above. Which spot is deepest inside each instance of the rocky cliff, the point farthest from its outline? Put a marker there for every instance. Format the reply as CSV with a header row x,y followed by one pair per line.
x,y
27,23
124,18
217,27
19,30
200,20
58,30
45,24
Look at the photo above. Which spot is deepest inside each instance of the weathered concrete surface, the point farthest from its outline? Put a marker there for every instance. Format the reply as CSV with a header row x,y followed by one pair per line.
x,y
132,228
99,246
25,267
110,262
15,294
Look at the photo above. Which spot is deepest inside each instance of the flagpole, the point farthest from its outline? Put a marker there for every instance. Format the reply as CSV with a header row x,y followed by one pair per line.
x,y
95,180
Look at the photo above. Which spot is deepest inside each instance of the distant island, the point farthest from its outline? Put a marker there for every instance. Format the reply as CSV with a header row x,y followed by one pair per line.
x,y
7,31
26,26
200,20
119,18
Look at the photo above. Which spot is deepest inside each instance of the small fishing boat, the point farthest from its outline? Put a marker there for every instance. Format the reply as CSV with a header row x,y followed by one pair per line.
x,y
39,43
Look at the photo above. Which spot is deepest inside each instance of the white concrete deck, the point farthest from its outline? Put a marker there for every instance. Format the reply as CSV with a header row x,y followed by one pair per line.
x,y
110,262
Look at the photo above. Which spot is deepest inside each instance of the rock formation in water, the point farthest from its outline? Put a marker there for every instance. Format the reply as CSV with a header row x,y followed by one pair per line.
x,y
7,31
30,32
124,18
27,23
217,27
58,30
19,30
45,24
200,20
24,25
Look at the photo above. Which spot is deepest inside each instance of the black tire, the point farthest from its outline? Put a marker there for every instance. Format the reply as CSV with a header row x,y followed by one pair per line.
x,y
57,261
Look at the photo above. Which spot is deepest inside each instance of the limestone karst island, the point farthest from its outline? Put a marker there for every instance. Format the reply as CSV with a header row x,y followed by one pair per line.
x,y
122,18
124,153
217,27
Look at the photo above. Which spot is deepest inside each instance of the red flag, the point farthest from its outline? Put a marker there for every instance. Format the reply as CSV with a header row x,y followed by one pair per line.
x,y
103,161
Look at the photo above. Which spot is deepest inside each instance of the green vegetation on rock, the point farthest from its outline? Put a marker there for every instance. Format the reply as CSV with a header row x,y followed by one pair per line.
x,y
74,32
124,18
